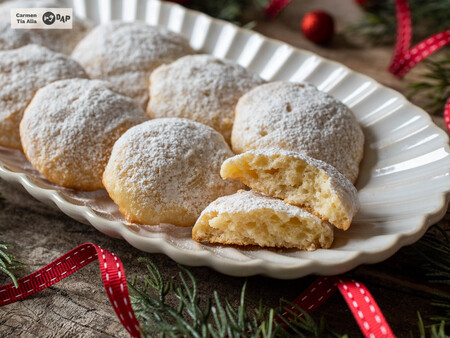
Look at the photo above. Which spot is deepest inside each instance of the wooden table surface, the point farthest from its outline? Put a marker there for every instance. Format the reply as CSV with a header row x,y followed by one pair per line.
x,y
78,305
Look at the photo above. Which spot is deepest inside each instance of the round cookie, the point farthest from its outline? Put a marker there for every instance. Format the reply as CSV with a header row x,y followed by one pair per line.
x,y
69,129
300,118
299,180
22,72
200,88
167,171
126,53
58,40
251,218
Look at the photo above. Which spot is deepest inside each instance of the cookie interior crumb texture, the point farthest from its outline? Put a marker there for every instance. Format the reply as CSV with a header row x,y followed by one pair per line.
x,y
298,180
250,218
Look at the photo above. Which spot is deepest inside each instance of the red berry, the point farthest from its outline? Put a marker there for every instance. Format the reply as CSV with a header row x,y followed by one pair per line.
x,y
318,26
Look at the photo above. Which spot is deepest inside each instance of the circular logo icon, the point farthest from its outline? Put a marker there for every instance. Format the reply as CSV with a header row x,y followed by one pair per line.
x,y
48,18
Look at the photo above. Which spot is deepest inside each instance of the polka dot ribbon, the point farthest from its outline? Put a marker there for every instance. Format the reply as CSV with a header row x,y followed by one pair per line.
x,y
113,276
363,306
405,58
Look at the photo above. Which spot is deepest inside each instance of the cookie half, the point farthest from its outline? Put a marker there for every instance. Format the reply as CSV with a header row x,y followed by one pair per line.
x,y
301,118
251,218
299,180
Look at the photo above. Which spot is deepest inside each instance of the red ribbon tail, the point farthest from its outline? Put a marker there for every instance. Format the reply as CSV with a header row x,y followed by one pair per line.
x,y
419,52
365,310
363,306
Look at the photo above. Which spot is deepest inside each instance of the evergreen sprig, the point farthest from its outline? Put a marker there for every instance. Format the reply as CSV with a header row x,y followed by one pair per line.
x,y
214,317
435,248
435,87
379,23
8,262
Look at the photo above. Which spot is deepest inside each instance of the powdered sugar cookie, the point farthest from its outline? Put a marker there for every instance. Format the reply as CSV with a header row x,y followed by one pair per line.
x,y
299,180
250,218
22,72
58,40
300,118
167,171
201,88
69,128
126,53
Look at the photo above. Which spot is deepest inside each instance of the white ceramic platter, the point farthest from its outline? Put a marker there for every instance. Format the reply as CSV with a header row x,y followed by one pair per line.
x,y
403,186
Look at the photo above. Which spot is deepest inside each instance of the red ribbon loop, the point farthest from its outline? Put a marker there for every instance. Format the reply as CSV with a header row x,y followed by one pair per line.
x,y
363,306
113,276
404,58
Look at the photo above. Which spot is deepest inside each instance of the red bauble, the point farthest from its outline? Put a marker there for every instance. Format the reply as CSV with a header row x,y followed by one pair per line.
x,y
318,26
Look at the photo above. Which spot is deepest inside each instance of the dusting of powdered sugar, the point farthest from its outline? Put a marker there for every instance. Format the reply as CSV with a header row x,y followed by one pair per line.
x,y
171,163
339,185
300,118
201,88
22,72
58,40
247,201
126,53
70,126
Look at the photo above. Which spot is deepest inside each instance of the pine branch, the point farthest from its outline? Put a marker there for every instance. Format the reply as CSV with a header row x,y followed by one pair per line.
x,y
435,87
435,248
214,317
379,23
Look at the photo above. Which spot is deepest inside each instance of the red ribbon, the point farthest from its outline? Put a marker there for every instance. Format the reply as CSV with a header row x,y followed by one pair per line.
x,y
447,114
362,304
404,58
113,276
275,7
